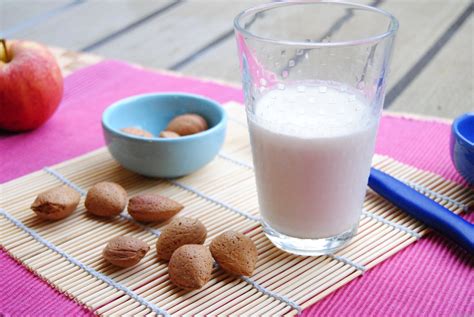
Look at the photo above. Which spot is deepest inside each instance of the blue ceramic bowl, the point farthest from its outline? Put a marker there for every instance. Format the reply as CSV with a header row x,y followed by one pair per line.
x,y
160,157
462,146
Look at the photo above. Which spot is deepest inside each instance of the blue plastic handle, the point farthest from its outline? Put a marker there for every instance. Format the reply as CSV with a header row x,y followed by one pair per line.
x,y
423,208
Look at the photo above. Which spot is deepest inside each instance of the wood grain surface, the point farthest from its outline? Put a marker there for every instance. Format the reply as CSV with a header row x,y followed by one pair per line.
x,y
431,71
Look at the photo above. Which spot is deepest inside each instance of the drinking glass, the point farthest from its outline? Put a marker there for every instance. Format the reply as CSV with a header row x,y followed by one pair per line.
x,y
314,77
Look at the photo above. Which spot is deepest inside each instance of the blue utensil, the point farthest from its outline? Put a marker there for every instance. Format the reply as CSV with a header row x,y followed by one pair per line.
x,y
423,209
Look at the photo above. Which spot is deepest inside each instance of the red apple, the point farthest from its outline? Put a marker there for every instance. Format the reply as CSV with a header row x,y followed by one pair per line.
x,y
31,85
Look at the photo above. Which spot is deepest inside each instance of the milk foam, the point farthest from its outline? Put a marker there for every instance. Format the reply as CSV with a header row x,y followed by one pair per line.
x,y
313,111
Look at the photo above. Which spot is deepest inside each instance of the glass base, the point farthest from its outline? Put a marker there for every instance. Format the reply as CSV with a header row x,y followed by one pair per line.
x,y
309,246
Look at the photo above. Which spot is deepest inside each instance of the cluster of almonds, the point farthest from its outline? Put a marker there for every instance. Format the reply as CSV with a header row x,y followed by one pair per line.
x,y
180,242
190,262
104,199
182,125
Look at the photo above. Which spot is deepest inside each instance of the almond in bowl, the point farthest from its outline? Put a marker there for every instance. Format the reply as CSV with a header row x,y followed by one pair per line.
x,y
202,133
187,124
137,132
169,134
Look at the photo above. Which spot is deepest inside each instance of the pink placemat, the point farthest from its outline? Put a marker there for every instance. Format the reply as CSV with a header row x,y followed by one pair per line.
x,y
431,277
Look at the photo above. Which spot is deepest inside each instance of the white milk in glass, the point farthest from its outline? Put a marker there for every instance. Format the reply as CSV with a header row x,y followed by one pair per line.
x,y
312,146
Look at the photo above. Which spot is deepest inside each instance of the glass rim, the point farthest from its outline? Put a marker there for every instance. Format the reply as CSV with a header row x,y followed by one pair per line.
x,y
394,24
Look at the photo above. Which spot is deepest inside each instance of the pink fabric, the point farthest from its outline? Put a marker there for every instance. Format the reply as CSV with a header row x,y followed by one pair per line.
x,y
431,277
423,144
23,294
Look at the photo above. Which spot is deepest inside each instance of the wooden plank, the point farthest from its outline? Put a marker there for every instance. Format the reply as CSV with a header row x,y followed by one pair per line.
x,y
93,20
422,22
167,39
445,88
221,62
425,19
15,13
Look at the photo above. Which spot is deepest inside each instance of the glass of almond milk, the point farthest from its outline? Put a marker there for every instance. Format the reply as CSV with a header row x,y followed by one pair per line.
x,y
314,77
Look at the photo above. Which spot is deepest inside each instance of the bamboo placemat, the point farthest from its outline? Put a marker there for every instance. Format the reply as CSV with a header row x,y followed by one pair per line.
x,y
67,253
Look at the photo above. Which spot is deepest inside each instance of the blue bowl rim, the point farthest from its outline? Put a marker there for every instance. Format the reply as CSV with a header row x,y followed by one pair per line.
x,y
185,138
455,128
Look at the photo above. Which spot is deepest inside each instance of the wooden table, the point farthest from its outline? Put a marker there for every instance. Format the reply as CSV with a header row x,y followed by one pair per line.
x,y
432,68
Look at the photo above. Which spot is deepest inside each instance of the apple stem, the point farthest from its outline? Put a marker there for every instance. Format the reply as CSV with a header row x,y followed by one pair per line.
x,y
4,44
